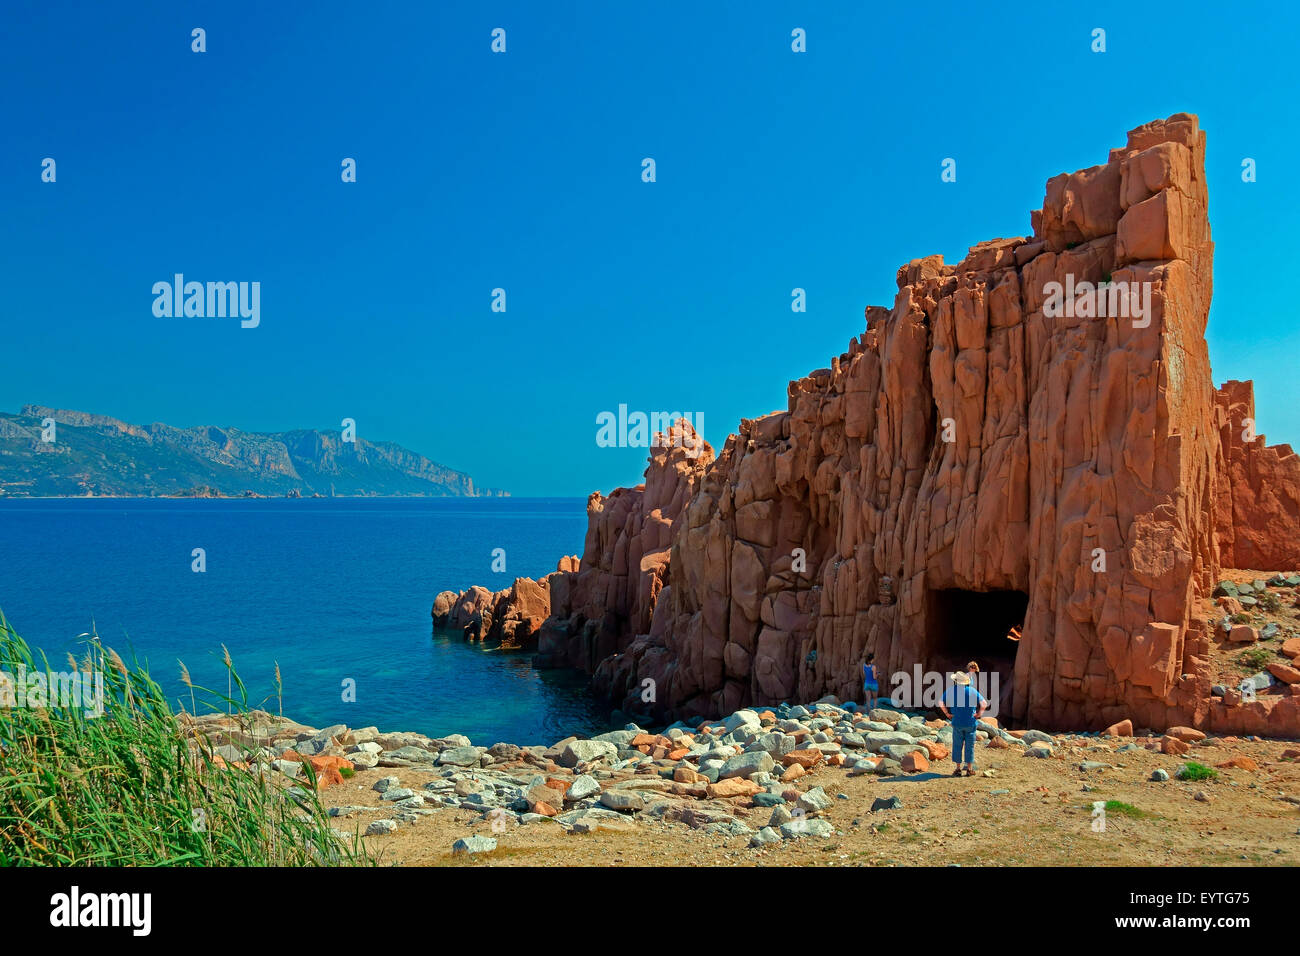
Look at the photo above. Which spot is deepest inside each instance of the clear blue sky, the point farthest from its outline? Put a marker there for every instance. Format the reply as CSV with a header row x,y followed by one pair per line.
x,y
523,171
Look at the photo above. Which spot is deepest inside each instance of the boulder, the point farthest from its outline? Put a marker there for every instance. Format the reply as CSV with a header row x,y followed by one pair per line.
x,y
1243,634
746,765
814,801
1285,673
473,844
458,757
807,759
583,786
586,751
915,763
628,801
876,741
797,829
732,787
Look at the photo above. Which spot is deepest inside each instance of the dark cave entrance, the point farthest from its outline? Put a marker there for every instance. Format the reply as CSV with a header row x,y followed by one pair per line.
x,y
968,626
973,625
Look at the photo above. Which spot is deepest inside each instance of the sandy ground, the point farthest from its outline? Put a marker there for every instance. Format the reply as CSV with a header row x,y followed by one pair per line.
x,y
1045,818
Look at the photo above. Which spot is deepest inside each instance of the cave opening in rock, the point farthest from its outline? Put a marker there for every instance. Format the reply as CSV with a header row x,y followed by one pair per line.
x,y
973,626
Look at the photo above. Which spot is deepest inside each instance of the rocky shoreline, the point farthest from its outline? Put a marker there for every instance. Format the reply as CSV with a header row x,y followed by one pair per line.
x,y
747,775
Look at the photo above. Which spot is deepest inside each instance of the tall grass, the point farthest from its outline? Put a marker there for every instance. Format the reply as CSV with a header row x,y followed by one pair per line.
x,y
131,788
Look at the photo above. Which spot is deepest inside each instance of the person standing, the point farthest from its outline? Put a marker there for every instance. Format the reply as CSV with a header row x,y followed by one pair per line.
x,y
966,705
973,671
870,683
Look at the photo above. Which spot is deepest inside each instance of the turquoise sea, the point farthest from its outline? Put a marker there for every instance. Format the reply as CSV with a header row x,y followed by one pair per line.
x,y
332,589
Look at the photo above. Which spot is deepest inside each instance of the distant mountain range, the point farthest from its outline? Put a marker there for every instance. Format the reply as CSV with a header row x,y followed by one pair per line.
x,y
98,455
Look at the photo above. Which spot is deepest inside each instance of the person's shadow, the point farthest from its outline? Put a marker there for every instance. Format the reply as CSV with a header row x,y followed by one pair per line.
x,y
914,777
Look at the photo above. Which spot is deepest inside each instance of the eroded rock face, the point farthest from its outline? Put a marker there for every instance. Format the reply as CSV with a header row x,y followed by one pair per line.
x,y
1256,524
1008,445
519,614
611,598
511,617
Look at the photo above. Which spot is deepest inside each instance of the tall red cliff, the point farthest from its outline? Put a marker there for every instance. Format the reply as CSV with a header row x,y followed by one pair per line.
x,y
1030,436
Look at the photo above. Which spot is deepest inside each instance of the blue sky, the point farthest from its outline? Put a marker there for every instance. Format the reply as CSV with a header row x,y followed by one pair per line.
x,y
523,171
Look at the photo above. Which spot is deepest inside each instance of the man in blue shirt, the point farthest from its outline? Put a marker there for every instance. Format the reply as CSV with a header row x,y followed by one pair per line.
x,y
967,706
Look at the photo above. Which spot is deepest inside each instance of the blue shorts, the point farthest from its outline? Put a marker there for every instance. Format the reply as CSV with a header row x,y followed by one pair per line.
x,y
871,687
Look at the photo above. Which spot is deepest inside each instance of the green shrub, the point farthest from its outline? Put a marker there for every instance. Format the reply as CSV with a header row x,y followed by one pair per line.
x,y
1254,658
129,788
1197,771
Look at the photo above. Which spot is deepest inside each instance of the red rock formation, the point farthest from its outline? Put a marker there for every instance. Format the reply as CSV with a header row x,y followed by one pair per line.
x,y
1004,447
470,611
520,613
610,599
1256,524
511,617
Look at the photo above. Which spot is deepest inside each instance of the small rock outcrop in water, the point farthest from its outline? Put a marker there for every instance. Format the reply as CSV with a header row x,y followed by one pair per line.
x,y
988,454
511,617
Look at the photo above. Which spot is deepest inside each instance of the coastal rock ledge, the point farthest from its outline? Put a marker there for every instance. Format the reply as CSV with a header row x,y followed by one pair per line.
x,y
510,617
